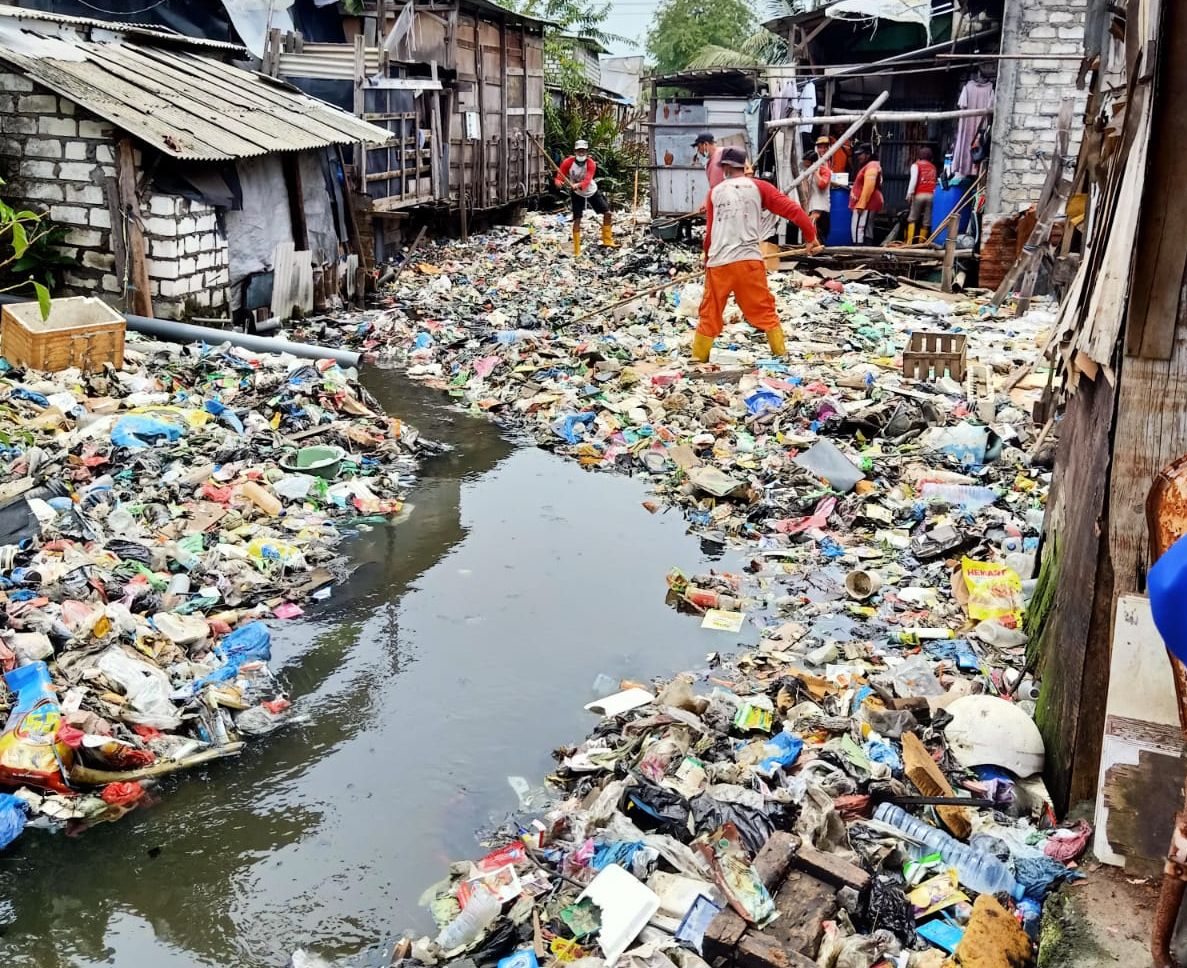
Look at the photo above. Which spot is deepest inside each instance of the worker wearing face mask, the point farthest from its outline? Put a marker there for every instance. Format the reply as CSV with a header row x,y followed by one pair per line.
x,y
578,171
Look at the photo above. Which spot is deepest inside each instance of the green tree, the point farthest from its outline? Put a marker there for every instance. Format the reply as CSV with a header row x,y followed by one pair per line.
x,y
683,28
21,234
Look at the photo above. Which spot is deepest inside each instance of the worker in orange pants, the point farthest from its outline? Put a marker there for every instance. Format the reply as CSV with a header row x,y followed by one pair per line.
x,y
733,261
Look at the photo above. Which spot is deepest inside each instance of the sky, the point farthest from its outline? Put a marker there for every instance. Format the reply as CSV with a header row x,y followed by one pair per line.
x,y
630,18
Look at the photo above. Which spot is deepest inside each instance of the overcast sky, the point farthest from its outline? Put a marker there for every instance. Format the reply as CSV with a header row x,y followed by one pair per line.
x,y
630,18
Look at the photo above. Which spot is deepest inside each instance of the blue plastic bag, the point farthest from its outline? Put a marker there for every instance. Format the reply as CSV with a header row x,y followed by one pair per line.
x,y
12,819
784,750
763,399
226,415
620,852
137,431
246,644
38,399
566,426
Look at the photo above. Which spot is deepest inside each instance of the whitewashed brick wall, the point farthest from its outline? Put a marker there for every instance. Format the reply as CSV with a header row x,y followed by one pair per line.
x,y
58,158
1045,27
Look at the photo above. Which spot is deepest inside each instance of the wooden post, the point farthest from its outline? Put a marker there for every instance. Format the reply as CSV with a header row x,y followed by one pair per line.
x,y
360,105
651,151
130,204
524,153
504,97
949,252
480,86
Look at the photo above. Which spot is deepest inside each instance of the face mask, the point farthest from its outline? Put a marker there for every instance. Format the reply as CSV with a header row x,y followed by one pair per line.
x,y
581,156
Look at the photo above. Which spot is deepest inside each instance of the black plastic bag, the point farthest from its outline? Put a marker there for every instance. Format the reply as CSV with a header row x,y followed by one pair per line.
x,y
656,808
887,907
754,826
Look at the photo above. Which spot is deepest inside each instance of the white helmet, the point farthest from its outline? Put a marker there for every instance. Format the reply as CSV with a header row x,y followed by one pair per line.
x,y
581,145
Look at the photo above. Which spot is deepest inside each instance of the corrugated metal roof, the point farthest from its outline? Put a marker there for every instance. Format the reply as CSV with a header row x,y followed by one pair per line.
x,y
186,105
132,29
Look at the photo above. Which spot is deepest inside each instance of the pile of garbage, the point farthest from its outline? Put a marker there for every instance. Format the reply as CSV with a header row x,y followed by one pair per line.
x,y
151,517
863,788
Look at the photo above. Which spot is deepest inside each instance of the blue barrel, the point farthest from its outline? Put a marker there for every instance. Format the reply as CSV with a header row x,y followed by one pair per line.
x,y
941,207
838,230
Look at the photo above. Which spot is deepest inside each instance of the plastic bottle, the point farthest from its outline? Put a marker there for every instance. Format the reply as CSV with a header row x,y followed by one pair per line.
x,y
266,502
468,926
977,871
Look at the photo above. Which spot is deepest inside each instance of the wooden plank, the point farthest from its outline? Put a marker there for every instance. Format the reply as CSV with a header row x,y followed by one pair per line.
x,y
125,166
360,104
804,903
284,285
830,867
480,159
504,97
111,191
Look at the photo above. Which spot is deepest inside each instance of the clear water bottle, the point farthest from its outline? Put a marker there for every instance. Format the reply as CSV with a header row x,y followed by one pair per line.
x,y
482,908
977,871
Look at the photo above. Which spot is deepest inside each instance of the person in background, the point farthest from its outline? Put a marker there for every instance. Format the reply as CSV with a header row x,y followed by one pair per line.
x,y
865,195
921,190
706,147
733,259
840,159
578,171
819,202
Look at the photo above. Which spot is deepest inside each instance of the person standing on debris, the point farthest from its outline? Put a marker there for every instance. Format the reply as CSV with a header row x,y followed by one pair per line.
x,y
578,171
733,261
819,202
865,195
921,190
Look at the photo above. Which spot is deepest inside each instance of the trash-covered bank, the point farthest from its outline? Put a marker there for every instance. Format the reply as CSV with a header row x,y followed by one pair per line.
x,y
156,518
863,787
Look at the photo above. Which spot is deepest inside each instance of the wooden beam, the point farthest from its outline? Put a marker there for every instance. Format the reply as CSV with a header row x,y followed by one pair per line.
x,y
504,97
949,252
125,167
885,116
360,103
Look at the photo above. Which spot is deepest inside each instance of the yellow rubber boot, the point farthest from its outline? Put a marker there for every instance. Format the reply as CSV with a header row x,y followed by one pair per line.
x,y
701,345
576,239
607,238
910,233
776,341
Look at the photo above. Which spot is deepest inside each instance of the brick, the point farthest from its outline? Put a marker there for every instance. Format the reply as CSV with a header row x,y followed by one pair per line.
x,y
57,126
95,129
100,218
804,903
76,151
167,227
43,148
98,260
85,194
87,238
830,867
31,168
15,82
111,284
164,248
77,171
775,859
186,267
37,104
44,192
759,950
162,269
105,154
163,205
71,214
722,936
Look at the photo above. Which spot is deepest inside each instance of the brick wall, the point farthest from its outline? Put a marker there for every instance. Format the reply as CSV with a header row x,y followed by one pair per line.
x,y
58,158
1026,135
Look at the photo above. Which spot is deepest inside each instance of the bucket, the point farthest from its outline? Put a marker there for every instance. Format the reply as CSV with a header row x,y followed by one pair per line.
x,y
668,229
320,461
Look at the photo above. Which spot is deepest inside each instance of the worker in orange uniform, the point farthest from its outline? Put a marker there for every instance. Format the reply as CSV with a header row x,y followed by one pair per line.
x,y
733,261
579,170
819,202
921,192
865,195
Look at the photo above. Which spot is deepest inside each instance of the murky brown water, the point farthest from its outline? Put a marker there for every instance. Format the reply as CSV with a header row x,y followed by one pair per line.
x,y
461,653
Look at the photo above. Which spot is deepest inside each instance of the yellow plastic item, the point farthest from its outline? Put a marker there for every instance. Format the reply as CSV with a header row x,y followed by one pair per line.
x,y
995,592
266,501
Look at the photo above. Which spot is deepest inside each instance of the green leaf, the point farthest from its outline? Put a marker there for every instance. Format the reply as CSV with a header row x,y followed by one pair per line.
x,y
20,240
43,301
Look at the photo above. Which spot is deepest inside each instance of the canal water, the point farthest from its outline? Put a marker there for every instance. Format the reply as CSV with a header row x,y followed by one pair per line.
x,y
459,654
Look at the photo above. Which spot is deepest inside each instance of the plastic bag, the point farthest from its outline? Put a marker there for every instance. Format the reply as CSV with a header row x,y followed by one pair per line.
x,y
248,643
736,876
12,818
825,461
754,826
657,808
995,592
573,427
137,431
146,686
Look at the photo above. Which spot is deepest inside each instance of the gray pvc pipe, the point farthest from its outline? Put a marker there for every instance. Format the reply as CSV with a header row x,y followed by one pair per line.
x,y
166,329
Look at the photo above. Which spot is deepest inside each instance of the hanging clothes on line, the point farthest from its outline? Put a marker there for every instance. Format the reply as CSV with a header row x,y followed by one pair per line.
x,y
977,93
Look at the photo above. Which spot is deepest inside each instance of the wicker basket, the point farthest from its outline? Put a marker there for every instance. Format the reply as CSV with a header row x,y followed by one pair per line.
x,y
930,355
80,331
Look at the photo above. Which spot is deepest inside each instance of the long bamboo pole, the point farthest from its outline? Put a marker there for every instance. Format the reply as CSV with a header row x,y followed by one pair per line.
x,y
878,102
883,116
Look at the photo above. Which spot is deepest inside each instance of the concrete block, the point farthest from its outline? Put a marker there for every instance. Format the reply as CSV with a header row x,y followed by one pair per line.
x,y
15,82
98,260
163,205
218,277
204,260
100,218
187,225
82,171
61,127
191,244
70,214
76,150
111,284
1060,17
166,227
31,168
44,192
169,288
207,222
164,248
65,106
162,268
1039,32
202,297
95,129
186,267
154,287
87,238
37,104
106,171
105,154
81,281
85,194
17,124
43,148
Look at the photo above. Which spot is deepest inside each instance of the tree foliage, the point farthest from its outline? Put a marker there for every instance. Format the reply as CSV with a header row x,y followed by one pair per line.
x,y
682,28
618,158
22,235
